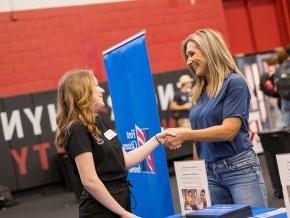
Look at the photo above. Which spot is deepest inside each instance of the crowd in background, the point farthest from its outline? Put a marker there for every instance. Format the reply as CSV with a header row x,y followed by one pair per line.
x,y
275,82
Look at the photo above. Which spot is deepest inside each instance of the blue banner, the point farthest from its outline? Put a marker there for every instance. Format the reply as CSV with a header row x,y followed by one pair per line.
x,y
136,119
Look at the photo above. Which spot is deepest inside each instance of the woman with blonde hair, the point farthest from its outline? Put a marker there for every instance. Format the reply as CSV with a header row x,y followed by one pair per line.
x,y
219,121
94,149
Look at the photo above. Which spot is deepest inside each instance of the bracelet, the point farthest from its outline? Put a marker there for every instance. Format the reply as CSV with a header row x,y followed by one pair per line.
x,y
157,139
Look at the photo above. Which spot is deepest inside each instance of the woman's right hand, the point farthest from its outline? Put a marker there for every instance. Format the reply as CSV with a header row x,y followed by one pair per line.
x,y
174,137
162,135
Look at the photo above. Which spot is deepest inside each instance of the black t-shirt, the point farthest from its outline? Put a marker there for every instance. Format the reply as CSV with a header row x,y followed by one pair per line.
x,y
108,154
181,98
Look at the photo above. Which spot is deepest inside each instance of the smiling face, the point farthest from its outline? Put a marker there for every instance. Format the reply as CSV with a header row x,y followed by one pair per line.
x,y
98,95
202,196
195,59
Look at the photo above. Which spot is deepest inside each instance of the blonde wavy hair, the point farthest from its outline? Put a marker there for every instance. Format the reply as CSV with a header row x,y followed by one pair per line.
x,y
219,61
75,102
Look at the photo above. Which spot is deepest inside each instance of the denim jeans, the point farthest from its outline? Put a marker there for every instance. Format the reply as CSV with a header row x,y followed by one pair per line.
x,y
285,108
237,180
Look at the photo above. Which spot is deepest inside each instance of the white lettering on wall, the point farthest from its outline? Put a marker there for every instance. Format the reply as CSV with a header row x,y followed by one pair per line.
x,y
165,95
10,126
260,97
52,116
34,118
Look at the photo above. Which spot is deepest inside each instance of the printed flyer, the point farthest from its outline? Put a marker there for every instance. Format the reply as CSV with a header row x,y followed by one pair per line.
x,y
192,185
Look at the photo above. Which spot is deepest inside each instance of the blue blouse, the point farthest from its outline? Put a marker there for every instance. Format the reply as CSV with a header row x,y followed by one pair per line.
x,y
233,100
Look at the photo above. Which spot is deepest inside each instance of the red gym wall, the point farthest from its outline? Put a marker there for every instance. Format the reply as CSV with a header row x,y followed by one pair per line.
x,y
36,49
257,25
37,46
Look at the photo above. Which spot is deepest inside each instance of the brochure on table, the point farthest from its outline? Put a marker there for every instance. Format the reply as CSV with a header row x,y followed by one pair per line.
x,y
222,210
192,185
283,161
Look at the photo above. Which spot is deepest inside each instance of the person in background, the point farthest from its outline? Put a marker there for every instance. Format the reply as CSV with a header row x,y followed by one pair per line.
x,y
219,120
181,103
269,89
94,149
267,83
282,80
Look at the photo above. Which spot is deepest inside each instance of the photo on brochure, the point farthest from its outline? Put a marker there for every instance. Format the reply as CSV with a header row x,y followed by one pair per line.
x,y
194,199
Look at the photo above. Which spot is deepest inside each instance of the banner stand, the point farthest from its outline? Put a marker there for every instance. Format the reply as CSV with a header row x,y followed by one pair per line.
x,y
137,120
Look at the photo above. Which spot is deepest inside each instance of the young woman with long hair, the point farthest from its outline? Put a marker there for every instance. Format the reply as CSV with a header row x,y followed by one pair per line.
x,y
94,149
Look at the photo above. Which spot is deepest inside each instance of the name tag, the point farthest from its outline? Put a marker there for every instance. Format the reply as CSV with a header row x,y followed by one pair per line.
x,y
109,134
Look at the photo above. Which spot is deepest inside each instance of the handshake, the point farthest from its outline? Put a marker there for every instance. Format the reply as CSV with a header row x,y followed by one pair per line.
x,y
172,138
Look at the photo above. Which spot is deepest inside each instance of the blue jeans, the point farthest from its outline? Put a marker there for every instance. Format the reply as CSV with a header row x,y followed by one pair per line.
x,y
237,180
285,108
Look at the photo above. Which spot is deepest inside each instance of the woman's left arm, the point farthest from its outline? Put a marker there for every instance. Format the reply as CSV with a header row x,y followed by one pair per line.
x,y
234,113
224,132
227,131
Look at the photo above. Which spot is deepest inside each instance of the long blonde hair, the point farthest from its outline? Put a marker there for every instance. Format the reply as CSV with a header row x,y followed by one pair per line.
x,y
219,61
75,102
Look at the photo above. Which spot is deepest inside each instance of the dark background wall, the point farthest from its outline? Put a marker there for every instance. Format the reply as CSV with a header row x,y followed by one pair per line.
x,y
27,125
